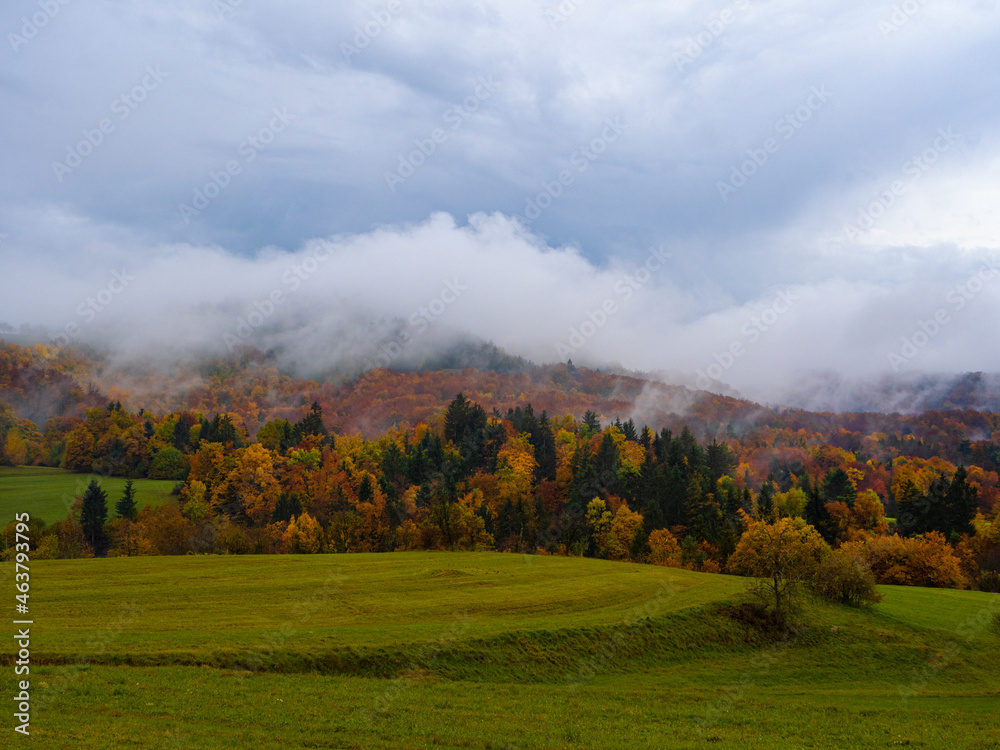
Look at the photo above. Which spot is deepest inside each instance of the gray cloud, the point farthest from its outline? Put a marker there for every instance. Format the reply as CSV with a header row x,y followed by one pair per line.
x,y
148,106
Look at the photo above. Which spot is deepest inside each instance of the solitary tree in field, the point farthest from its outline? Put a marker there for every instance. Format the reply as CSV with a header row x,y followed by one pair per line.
x,y
94,513
782,556
126,504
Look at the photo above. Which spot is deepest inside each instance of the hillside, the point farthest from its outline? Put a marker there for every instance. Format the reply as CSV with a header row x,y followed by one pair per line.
x,y
421,650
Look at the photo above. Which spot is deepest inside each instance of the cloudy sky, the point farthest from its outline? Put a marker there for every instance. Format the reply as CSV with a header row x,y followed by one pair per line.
x,y
745,190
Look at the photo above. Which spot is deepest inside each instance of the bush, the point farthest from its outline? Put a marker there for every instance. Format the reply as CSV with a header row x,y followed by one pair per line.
x,y
846,578
916,561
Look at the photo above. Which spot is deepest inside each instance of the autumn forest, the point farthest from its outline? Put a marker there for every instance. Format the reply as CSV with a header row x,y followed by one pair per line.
x,y
537,462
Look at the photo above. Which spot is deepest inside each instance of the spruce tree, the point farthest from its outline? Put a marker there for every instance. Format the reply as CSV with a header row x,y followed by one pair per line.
x,y
126,507
93,514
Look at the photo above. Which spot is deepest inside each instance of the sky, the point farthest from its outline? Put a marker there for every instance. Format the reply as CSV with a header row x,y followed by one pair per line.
x,y
738,192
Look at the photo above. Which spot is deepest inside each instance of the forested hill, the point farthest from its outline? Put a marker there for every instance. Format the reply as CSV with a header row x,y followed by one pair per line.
x,y
41,383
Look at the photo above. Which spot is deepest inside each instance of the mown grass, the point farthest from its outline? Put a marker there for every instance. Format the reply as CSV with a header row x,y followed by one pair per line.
x,y
48,493
483,650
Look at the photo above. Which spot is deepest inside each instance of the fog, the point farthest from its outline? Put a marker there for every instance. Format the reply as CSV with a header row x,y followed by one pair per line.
x,y
789,204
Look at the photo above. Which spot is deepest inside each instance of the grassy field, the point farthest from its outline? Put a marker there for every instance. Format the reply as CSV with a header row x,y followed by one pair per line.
x,y
48,493
484,650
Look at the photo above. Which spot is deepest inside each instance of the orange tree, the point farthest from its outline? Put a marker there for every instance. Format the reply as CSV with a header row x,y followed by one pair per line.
x,y
781,556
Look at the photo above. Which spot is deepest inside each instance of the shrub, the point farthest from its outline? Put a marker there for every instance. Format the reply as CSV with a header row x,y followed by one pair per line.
x,y
846,578
917,561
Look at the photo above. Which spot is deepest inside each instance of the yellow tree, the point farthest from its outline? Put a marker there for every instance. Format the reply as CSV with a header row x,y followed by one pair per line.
x,y
623,529
664,549
782,556
15,448
304,535
79,454
599,518
252,484
515,470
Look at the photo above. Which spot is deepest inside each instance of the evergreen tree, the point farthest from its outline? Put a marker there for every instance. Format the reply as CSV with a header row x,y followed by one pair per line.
x,y
456,418
628,430
607,465
544,443
126,507
366,491
286,507
311,424
911,509
646,438
816,514
838,486
765,502
719,461
961,504
182,434
93,514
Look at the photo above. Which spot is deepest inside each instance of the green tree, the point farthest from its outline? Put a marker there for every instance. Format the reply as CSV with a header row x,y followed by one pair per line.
x,y
816,514
182,434
93,514
168,463
837,485
765,502
126,508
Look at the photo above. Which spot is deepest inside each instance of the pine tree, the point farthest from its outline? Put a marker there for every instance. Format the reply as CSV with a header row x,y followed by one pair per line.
x,y
126,507
287,507
765,502
816,513
366,491
544,443
961,504
607,465
93,514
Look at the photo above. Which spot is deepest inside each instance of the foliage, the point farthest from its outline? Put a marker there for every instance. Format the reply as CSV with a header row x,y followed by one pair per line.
x,y
926,560
783,556
846,578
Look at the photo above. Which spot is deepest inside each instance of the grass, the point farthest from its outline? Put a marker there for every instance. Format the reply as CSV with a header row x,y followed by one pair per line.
x,y
48,493
484,650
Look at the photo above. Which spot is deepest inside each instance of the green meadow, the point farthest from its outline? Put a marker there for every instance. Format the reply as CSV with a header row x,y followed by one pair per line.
x,y
487,650
48,493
